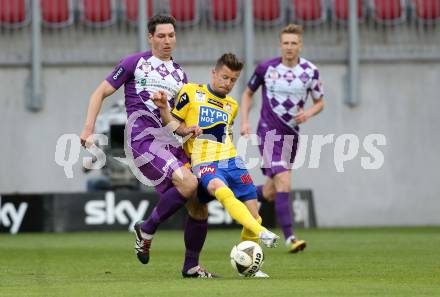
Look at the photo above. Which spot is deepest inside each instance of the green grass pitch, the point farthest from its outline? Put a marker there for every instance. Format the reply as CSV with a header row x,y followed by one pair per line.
x,y
337,262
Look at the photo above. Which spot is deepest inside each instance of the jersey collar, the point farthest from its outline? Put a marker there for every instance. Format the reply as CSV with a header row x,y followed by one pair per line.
x,y
214,93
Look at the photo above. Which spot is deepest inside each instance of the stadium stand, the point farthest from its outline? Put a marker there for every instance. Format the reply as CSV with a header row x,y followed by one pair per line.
x,y
186,12
225,11
102,13
308,12
57,13
340,10
269,12
427,11
98,13
131,10
389,12
414,19
14,13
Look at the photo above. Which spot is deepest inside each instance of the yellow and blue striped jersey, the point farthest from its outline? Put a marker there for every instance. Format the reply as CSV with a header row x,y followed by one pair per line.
x,y
214,114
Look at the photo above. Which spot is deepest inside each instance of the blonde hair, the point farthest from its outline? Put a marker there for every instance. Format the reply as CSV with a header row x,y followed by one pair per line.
x,y
292,29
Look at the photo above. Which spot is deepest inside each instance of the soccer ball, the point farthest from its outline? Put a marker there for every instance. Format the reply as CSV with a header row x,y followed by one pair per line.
x,y
247,258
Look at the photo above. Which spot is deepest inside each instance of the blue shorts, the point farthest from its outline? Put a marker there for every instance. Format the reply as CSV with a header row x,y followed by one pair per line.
x,y
232,172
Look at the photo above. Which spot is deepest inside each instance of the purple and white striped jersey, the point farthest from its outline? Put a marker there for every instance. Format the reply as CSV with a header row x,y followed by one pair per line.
x,y
285,89
142,75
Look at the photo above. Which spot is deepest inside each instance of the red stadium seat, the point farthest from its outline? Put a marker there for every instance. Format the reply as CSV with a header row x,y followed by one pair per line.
x,y
340,10
185,11
225,11
98,12
14,13
57,13
272,12
427,10
308,11
267,10
132,10
388,11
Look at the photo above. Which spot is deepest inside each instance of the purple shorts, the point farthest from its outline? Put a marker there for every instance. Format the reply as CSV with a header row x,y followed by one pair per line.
x,y
156,160
277,148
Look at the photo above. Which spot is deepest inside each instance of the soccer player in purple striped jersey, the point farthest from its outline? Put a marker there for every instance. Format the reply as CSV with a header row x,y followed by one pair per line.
x,y
286,82
142,75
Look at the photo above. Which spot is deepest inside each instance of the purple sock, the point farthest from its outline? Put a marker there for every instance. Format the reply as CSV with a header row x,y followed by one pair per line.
x,y
283,209
195,235
260,196
170,202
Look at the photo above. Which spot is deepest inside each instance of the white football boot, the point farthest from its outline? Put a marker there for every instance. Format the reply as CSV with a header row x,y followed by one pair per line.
x,y
269,239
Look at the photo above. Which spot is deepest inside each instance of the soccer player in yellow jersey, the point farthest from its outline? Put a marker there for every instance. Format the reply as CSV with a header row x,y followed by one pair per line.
x,y
214,159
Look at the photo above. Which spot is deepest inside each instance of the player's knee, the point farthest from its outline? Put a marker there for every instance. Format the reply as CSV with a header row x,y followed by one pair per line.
x,y
283,183
271,196
214,185
270,193
186,184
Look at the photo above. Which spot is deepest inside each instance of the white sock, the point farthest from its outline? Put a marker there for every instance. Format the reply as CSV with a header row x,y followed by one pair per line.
x,y
193,270
289,239
146,235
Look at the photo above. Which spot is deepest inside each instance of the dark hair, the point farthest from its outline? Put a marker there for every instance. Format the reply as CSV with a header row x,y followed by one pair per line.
x,y
231,61
292,29
160,19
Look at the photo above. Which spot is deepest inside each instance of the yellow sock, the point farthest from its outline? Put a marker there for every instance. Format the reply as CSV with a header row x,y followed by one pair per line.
x,y
237,210
247,234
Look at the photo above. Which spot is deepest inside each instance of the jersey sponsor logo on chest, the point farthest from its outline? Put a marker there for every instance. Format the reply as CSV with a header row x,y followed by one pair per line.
x,y
215,102
209,116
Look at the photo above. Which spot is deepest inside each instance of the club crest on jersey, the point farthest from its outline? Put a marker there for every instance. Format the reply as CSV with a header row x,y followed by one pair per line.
x,y
274,75
209,116
146,67
207,170
228,107
200,96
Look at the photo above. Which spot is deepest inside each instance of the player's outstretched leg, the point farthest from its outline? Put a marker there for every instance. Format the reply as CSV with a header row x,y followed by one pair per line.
x,y
241,214
170,201
248,235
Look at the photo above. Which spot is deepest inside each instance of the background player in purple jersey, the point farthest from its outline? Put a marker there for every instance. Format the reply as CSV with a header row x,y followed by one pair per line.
x,y
166,166
286,83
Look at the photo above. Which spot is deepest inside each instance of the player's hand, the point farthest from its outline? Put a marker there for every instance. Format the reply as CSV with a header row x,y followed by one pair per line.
x,y
194,131
160,99
301,116
245,129
86,137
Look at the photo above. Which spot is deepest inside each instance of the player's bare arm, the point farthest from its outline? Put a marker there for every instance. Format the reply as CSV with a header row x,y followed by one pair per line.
x,y
174,125
303,115
102,91
245,107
